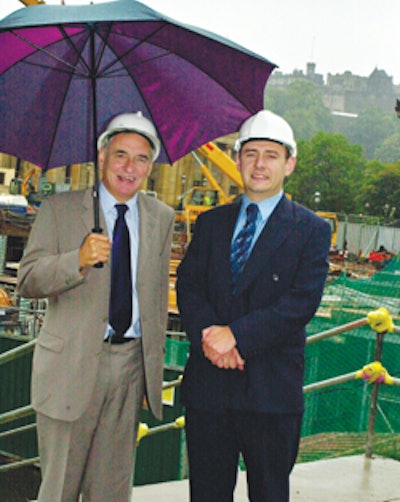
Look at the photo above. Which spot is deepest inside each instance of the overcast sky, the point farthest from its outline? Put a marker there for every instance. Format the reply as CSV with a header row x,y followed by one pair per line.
x,y
339,35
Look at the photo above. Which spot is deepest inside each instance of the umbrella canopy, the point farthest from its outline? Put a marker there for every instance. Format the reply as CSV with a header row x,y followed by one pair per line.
x,y
65,71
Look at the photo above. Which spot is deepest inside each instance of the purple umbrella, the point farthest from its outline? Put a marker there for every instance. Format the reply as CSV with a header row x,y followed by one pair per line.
x,y
65,71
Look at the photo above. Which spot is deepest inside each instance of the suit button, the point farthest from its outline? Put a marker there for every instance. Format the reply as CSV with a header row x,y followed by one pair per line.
x,y
275,277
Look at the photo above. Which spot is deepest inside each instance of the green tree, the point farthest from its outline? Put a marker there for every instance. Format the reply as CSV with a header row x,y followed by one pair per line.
x,y
302,106
389,150
330,165
371,129
380,191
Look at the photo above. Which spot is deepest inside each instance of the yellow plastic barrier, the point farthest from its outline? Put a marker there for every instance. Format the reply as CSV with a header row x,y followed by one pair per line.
x,y
380,321
374,372
143,430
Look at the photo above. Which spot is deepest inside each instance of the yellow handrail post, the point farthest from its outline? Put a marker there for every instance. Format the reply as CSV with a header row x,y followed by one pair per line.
x,y
381,322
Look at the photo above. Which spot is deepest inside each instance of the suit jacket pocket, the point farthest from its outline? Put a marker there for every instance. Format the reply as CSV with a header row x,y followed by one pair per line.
x,y
50,342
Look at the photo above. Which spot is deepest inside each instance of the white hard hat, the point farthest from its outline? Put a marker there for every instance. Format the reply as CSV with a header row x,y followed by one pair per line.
x,y
131,122
269,126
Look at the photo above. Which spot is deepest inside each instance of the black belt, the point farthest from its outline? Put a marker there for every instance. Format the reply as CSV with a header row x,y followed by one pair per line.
x,y
114,340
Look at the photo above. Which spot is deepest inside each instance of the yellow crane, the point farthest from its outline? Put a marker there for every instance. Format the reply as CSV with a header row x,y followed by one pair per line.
x,y
202,198
30,3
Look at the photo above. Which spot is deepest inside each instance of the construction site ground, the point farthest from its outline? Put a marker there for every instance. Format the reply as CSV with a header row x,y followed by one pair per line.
x,y
345,479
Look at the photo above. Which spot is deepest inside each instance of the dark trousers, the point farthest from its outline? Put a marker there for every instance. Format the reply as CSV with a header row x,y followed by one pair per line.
x,y
268,444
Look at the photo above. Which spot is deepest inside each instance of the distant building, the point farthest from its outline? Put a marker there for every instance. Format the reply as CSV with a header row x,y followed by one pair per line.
x,y
279,79
346,93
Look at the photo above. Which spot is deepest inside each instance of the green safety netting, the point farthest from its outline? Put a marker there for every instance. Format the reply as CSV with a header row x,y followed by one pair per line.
x,y
338,415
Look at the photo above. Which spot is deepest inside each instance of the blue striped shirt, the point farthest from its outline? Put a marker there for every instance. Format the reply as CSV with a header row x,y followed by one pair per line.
x,y
266,208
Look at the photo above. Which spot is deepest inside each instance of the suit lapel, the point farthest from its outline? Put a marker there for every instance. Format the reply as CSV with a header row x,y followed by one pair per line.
x,y
147,226
222,241
87,213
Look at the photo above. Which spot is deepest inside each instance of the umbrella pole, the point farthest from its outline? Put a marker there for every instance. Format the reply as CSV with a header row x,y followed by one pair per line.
x,y
96,206
96,202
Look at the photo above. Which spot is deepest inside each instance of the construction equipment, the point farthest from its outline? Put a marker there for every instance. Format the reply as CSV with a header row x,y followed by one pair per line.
x,y
31,181
202,198
197,200
222,161
332,219
33,186
30,3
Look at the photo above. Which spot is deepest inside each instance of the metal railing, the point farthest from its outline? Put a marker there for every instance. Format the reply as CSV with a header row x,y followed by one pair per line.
x,y
26,411
376,379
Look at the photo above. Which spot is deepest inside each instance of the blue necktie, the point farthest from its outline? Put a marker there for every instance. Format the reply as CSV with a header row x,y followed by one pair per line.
x,y
242,243
121,277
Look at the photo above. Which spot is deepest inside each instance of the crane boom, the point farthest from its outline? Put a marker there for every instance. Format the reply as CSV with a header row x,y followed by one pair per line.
x,y
222,161
30,3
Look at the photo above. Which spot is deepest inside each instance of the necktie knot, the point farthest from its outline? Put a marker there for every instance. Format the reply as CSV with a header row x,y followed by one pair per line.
x,y
252,213
242,244
121,209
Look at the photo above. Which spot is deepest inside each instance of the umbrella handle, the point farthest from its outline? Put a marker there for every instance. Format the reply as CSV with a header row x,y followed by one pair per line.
x,y
98,230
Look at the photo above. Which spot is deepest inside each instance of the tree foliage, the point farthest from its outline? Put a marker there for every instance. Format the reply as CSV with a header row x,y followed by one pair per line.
x,y
389,150
371,129
330,165
380,192
302,106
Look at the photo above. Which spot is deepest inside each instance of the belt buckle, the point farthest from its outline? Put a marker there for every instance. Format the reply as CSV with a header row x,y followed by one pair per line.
x,y
113,339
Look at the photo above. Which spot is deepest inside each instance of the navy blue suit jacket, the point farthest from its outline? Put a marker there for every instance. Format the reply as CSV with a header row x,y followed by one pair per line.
x,y
277,295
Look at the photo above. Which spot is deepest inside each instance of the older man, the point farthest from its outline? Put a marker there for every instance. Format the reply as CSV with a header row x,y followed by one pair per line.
x,y
101,346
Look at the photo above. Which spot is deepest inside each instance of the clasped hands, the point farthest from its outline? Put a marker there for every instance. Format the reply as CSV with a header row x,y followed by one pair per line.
x,y
219,346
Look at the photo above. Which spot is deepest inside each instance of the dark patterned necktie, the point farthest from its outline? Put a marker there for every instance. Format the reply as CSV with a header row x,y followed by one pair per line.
x,y
121,277
241,245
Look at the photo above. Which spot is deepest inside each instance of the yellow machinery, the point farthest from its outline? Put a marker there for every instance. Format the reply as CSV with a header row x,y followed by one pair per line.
x,y
30,3
33,186
196,201
202,198
31,181
221,160
332,219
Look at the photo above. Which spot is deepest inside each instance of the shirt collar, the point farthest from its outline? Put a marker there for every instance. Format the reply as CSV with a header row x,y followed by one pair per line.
x,y
266,206
108,201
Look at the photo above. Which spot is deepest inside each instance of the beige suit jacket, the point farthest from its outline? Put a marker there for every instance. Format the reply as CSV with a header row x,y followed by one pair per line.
x,y
67,352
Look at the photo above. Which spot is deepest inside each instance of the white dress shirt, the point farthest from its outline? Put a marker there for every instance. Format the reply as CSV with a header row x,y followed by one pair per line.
x,y
108,202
